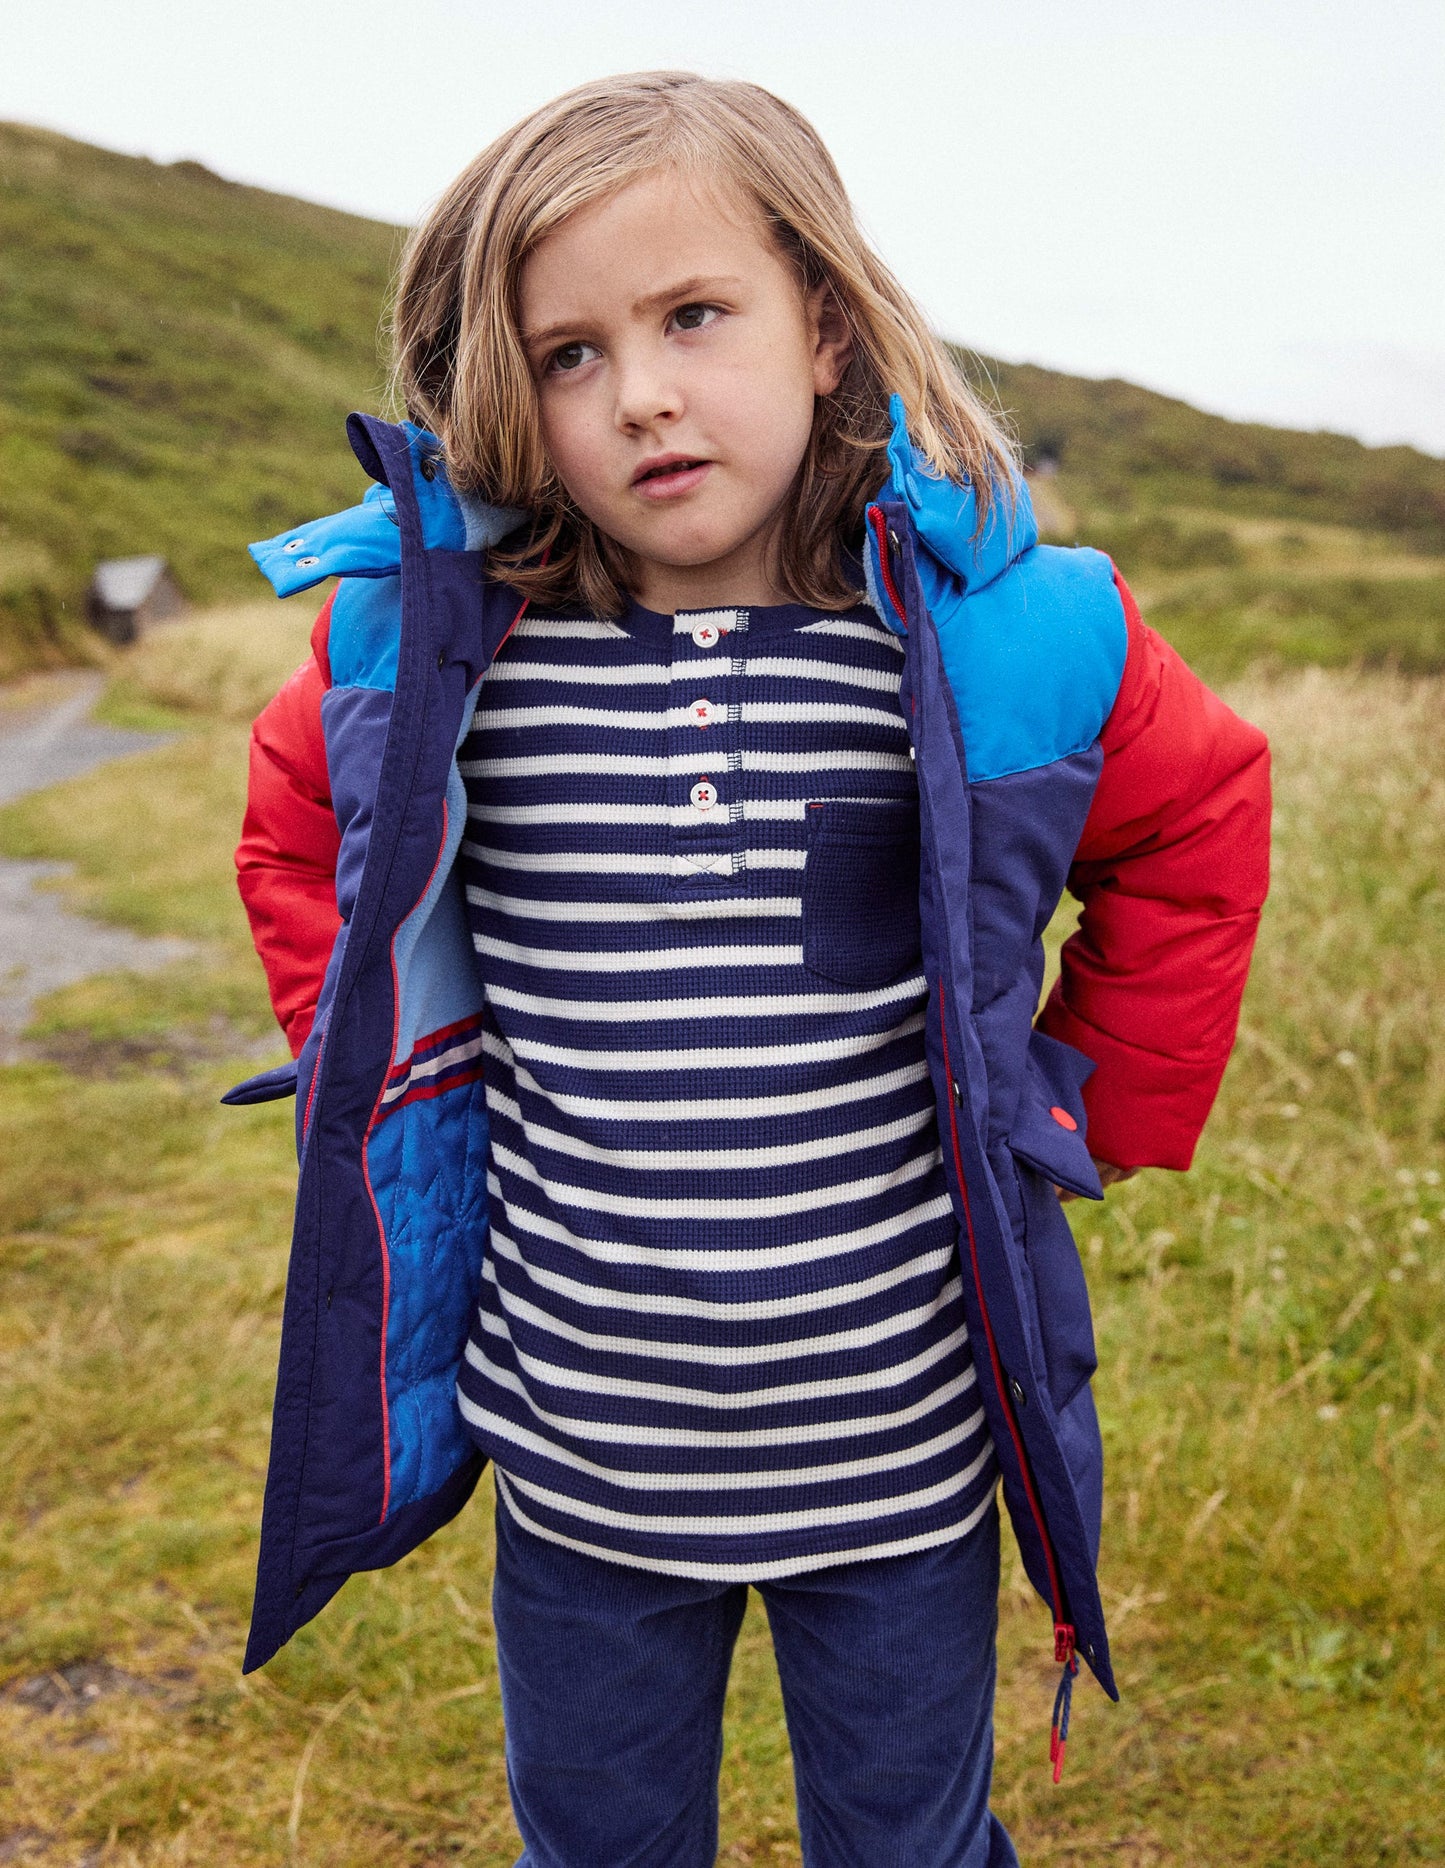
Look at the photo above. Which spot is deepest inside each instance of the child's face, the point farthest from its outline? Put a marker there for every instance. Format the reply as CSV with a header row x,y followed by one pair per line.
x,y
676,362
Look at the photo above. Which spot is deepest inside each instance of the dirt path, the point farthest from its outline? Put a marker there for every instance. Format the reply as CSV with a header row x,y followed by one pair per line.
x,y
47,736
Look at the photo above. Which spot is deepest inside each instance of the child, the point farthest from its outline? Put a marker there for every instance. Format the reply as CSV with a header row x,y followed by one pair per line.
x,y
650,868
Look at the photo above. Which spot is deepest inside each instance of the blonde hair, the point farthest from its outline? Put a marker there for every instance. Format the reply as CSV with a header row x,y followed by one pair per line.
x,y
461,370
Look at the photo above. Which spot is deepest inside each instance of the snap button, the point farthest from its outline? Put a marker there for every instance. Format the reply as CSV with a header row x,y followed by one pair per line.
x,y
701,713
1016,1389
1063,1118
306,563
294,544
706,635
703,794
427,466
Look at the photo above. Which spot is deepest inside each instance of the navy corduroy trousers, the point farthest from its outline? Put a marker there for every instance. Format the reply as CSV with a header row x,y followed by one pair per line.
x,y
612,1689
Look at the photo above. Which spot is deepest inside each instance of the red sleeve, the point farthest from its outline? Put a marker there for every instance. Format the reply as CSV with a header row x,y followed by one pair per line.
x,y
1172,870
286,861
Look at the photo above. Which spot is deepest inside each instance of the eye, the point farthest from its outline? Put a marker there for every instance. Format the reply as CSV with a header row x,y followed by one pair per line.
x,y
570,357
695,317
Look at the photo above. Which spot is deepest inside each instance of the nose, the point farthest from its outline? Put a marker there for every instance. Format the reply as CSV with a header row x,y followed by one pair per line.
x,y
647,390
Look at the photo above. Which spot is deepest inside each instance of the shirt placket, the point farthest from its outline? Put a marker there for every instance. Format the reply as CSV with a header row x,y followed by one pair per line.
x,y
705,773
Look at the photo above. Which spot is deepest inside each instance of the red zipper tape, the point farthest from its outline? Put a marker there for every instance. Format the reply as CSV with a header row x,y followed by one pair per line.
x,y
880,532
1064,1638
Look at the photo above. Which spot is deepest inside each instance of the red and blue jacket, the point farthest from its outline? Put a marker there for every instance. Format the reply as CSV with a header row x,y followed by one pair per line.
x,y
1058,743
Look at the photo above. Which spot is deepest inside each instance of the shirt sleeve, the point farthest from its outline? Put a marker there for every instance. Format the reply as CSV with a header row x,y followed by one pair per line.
x,y
286,860
1172,871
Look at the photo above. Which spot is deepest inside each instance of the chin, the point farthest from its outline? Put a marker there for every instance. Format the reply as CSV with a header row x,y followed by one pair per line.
x,y
686,555
701,542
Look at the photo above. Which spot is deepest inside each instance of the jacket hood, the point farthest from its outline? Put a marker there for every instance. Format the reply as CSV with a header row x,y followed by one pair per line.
x,y
959,556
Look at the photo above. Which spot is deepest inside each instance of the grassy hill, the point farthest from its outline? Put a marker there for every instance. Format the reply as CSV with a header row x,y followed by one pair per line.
x,y
176,356
1134,449
177,353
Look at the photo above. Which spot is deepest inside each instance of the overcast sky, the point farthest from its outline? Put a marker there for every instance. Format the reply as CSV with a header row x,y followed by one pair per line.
x,y
1238,201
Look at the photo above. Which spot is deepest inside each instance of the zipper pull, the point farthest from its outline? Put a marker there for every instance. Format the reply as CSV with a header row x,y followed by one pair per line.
x,y
1064,1697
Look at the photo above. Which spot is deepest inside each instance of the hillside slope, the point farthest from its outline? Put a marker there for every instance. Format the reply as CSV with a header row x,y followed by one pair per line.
x,y
176,356
1132,447
177,353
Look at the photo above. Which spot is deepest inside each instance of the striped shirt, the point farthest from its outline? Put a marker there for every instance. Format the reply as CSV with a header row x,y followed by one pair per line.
x,y
720,1330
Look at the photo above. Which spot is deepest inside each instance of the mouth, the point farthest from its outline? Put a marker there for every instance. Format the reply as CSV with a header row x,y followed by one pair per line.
x,y
669,474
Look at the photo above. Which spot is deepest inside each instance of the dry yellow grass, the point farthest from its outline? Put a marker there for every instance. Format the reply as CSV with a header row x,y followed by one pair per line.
x,y
1271,1338
224,663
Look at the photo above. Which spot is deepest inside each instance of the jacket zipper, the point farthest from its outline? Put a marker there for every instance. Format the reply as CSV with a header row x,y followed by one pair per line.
x,y
1064,1636
518,617
880,533
1065,1640
315,1079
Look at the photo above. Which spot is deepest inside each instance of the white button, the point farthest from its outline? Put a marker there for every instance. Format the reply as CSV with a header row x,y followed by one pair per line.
x,y
706,635
703,794
702,713
294,544
305,564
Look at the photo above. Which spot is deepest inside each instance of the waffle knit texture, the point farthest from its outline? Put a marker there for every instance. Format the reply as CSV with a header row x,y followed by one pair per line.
x,y
720,1331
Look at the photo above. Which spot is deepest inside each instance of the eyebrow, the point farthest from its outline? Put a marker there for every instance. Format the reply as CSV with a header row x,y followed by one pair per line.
x,y
700,286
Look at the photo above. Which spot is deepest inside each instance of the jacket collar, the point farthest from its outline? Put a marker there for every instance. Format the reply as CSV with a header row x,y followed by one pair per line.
x,y
958,556
365,540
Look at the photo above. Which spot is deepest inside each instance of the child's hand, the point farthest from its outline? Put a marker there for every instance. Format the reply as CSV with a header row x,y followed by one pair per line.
x,y
1109,1176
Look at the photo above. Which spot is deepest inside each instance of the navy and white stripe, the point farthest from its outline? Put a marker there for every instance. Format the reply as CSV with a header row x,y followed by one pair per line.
x,y
720,1330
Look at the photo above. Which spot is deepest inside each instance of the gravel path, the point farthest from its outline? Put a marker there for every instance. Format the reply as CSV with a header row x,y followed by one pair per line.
x,y
43,945
56,739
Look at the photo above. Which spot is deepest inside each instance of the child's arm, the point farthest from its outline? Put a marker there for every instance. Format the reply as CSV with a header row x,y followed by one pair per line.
x,y
1172,871
286,861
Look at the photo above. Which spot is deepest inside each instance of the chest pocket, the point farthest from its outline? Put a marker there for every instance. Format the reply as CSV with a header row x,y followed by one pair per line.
x,y
860,890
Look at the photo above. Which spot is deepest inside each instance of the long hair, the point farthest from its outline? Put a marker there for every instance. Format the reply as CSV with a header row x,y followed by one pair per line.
x,y
460,368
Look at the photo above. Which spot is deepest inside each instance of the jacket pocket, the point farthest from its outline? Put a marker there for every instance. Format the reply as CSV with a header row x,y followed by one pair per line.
x,y
860,890
1050,1128
1050,1150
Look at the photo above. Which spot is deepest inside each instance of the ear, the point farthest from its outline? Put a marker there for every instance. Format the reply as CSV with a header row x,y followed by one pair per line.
x,y
832,340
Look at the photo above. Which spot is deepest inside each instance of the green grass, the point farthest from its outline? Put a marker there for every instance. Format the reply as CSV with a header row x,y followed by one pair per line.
x,y
177,356
1270,1330
1225,623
